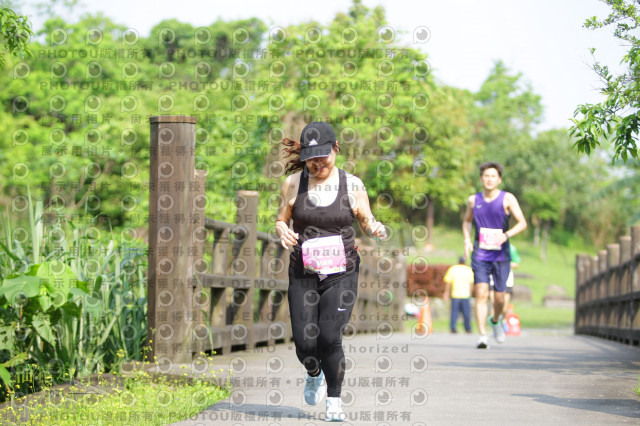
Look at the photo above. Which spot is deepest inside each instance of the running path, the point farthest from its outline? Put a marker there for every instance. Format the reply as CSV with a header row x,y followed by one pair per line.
x,y
537,378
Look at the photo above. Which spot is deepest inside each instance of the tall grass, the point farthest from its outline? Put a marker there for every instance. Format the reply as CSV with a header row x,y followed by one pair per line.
x,y
72,301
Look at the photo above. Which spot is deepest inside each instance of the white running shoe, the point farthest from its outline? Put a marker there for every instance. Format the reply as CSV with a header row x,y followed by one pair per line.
x,y
314,389
498,331
334,410
483,342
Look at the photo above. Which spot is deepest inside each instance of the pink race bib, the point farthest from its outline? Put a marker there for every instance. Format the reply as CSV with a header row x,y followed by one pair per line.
x,y
489,238
324,255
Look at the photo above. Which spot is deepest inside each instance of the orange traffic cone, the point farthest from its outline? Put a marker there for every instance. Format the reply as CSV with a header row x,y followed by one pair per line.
x,y
424,318
513,322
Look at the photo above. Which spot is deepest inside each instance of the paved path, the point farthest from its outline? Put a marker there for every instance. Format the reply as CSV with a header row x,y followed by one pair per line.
x,y
536,378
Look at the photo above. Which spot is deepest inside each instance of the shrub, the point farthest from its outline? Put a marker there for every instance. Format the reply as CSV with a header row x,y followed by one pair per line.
x,y
72,302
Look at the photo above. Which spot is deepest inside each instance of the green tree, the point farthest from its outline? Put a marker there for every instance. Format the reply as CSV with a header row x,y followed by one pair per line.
x,y
625,186
558,194
617,118
506,111
397,129
15,34
548,179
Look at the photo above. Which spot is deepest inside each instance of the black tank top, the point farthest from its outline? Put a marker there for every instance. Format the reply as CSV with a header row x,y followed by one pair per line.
x,y
311,221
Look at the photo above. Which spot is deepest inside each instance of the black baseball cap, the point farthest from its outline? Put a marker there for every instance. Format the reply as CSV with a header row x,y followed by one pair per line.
x,y
316,140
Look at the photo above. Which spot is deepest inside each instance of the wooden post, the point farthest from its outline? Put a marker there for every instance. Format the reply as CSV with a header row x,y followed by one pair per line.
x,y
635,252
579,272
593,291
625,248
170,288
244,267
613,260
221,297
580,282
280,300
265,299
601,292
602,278
201,297
399,277
634,314
624,286
588,278
583,285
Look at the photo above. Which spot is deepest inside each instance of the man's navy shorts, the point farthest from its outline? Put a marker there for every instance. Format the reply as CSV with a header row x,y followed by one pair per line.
x,y
499,269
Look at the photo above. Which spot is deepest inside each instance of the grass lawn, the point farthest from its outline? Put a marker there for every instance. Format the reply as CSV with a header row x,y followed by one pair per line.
x,y
139,399
537,316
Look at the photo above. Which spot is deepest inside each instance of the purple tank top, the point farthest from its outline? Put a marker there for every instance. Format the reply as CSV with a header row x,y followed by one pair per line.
x,y
489,218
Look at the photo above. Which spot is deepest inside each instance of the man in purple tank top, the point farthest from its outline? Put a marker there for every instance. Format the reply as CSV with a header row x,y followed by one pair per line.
x,y
490,212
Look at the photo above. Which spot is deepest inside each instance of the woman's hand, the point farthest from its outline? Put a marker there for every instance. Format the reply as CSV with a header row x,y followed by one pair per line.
x,y
378,230
287,236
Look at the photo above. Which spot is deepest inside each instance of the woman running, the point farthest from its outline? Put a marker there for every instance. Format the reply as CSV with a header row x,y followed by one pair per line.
x,y
323,202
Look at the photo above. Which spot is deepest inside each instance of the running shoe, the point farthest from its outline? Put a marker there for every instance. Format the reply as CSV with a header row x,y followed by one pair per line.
x,y
483,343
498,331
334,410
314,389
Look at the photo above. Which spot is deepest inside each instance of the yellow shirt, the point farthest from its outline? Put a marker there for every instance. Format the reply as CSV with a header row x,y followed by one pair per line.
x,y
461,278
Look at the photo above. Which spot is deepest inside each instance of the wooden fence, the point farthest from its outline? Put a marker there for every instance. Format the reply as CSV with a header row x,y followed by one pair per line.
x,y
608,291
223,286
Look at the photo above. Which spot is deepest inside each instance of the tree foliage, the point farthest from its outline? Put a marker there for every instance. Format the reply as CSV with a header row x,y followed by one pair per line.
x,y
76,129
15,34
617,118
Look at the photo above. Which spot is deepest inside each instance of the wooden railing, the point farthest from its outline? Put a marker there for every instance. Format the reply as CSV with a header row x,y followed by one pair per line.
x,y
608,291
217,286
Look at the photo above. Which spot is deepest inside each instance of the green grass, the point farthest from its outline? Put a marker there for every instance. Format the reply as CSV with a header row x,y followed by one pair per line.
x,y
144,399
537,316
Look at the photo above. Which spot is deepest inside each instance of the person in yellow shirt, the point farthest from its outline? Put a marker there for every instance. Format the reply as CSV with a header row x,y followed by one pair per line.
x,y
459,281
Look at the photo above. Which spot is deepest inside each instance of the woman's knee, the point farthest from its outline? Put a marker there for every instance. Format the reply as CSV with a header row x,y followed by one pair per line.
x,y
306,347
329,342
306,340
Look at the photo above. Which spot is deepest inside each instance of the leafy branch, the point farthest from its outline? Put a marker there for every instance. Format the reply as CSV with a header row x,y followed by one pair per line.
x,y
617,118
15,34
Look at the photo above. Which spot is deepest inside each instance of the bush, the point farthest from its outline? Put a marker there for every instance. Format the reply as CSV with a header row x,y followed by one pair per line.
x,y
72,302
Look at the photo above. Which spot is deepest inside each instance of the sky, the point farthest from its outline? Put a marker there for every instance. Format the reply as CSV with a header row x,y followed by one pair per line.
x,y
542,39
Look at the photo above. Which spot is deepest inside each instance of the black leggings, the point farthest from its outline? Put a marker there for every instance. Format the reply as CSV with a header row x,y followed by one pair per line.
x,y
320,310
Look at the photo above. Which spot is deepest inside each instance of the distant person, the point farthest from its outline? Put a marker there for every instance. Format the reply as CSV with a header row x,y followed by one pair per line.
x,y
515,263
323,201
459,281
490,211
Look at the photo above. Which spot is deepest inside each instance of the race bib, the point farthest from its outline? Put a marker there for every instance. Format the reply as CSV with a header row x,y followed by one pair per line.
x,y
324,255
489,238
